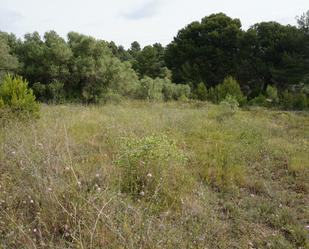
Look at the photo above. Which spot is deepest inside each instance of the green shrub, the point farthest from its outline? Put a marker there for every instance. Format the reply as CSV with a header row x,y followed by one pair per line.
x,y
53,92
183,98
272,94
111,97
17,96
172,91
298,236
227,108
294,101
40,91
153,169
231,102
229,87
287,100
168,91
300,101
151,89
211,95
182,92
201,91
258,101
56,92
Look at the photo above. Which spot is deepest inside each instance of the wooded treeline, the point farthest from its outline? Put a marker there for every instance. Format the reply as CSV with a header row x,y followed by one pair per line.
x,y
268,61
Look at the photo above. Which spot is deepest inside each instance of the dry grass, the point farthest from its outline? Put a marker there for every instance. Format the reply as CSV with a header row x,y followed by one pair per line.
x,y
212,177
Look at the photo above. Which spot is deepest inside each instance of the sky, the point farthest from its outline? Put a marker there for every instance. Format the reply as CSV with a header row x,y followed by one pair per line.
x,y
145,21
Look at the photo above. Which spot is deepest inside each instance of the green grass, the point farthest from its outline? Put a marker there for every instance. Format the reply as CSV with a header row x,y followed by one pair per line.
x,y
146,175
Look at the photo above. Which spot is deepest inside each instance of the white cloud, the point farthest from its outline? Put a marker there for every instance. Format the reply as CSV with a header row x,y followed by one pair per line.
x,y
146,10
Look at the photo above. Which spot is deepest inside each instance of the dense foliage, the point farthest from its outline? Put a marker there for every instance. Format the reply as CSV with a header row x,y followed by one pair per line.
x,y
17,97
198,63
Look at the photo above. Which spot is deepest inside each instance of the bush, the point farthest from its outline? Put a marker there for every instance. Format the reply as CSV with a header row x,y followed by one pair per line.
x,y
230,102
300,101
151,89
153,169
201,91
55,92
272,94
269,99
258,101
229,87
182,92
172,91
111,97
16,96
39,91
168,91
294,101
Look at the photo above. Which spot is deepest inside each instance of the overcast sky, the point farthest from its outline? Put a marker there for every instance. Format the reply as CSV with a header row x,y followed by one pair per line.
x,y
146,21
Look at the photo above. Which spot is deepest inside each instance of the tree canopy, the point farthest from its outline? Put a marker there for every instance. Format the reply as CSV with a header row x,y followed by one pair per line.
x,y
201,56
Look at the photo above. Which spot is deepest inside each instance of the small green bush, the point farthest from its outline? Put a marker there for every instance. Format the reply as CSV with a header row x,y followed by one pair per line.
x,y
230,102
55,92
172,91
40,91
294,101
272,94
258,101
17,96
168,91
111,98
201,91
181,91
153,169
269,99
300,101
150,89
230,87
298,236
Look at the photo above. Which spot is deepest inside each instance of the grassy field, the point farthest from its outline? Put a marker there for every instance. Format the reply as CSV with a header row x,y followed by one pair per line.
x,y
142,175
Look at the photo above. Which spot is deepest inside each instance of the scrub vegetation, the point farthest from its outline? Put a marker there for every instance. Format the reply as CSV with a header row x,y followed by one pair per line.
x,y
155,175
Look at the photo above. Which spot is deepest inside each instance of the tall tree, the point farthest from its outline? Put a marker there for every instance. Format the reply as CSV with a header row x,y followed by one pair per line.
x,y
150,62
278,54
8,61
57,55
205,51
303,22
31,54
94,70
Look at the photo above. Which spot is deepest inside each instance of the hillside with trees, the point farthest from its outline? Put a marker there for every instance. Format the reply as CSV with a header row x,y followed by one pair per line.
x,y
81,68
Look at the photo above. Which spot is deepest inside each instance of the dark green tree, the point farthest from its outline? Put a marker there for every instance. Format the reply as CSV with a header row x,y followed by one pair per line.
x,y
150,62
273,54
8,61
205,51
57,55
30,53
